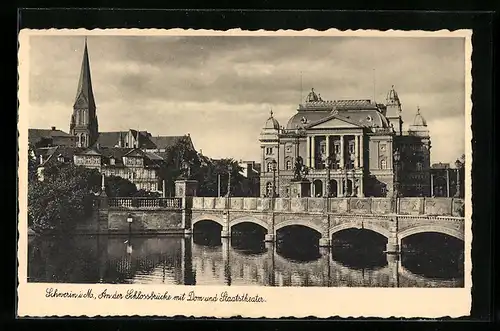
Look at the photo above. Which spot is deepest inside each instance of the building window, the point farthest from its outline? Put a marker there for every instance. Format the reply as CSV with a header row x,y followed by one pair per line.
x,y
383,164
337,148
419,166
288,165
270,167
288,149
419,187
112,161
269,189
269,150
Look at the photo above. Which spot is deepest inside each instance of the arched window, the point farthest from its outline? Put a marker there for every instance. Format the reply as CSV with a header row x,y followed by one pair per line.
x,y
269,189
270,166
419,166
383,164
288,165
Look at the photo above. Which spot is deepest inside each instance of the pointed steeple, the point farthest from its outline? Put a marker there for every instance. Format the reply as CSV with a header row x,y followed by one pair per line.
x,y
84,92
83,122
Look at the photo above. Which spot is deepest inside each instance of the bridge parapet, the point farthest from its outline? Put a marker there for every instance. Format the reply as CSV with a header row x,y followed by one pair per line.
x,y
145,203
361,206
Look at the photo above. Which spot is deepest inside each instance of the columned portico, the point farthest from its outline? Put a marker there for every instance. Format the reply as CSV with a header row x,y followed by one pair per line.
x,y
345,163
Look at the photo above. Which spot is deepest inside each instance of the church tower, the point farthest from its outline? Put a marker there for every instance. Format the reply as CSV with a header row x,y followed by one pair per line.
x,y
83,123
394,110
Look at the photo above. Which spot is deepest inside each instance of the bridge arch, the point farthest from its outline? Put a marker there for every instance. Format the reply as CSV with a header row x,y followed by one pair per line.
x,y
207,217
431,228
301,222
367,226
249,219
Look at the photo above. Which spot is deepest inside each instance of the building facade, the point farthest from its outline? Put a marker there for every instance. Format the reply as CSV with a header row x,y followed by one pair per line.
x,y
349,148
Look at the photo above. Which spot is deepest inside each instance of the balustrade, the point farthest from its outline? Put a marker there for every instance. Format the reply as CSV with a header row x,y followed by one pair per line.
x,y
145,202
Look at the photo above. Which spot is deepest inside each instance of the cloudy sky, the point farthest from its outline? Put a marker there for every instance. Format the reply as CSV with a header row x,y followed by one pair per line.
x,y
220,89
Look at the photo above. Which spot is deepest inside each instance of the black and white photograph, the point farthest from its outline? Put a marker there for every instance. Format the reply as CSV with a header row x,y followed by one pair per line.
x,y
223,167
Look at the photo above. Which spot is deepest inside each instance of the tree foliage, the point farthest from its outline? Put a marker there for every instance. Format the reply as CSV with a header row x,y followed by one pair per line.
x,y
117,186
66,196
62,199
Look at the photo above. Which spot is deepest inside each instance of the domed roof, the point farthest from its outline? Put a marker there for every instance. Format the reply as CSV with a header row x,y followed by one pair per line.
x,y
392,96
313,97
272,123
419,119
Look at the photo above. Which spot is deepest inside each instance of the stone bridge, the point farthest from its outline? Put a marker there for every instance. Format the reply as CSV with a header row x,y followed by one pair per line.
x,y
394,219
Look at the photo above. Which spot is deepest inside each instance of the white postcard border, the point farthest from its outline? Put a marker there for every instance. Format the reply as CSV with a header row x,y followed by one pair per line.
x,y
279,302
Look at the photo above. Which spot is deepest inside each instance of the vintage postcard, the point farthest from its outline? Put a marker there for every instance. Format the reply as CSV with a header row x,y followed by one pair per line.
x,y
244,173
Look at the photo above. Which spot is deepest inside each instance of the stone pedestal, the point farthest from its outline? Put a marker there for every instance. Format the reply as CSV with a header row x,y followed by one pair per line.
x,y
225,234
324,242
269,238
186,188
300,188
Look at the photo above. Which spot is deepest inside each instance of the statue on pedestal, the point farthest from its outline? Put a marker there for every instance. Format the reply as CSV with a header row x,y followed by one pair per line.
x,y
300,170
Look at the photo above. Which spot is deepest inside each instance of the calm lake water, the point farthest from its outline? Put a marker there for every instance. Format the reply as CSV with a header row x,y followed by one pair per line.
x,y
354,261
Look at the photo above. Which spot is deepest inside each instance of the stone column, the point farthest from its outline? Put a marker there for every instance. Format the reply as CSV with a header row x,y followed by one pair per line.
x,y
393,242
313,152
327,137
361,152
432,185
269,237
325,241
226,231
308,153
356,151
342,165
339,185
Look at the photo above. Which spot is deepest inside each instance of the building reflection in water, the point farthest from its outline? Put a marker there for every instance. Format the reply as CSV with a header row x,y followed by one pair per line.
x,y
241,260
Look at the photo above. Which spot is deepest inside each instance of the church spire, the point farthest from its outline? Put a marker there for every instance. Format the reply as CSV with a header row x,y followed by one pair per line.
x,y
83,122
84,90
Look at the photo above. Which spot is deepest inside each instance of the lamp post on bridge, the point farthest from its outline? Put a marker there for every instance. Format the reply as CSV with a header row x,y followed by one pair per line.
x,y
129,221
397,158
229,169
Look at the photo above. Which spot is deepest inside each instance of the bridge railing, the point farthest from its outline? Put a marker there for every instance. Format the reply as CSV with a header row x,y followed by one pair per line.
x,y
145,203
371,205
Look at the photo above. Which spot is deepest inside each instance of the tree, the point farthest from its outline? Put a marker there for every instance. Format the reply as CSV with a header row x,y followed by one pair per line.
x,y
180,158
32,166
117,186
62,199
208,178
67,195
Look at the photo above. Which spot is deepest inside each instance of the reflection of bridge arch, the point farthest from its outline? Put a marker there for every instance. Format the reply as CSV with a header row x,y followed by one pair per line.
x,y
431,228
207,217
418,279
300,222
366,226
249,219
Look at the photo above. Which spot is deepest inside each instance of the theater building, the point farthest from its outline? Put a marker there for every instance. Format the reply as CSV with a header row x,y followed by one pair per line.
x,y
349,147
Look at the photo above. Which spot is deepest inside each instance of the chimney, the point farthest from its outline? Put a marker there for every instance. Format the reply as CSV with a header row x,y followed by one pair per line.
x,y
53,128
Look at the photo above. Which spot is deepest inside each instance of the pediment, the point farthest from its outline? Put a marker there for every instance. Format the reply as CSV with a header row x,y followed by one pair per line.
x,y
135,153
333,122
90,152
